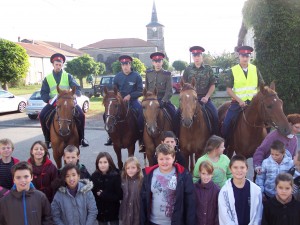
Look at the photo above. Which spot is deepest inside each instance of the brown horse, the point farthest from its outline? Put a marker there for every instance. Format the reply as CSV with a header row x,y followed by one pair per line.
x,y
63,130
265,108
120,124
193,132
155,123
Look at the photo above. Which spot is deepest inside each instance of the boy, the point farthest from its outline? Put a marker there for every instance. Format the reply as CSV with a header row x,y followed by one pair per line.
x,y
168,188
6,163
277,162
295,172
71,155
24,198
168,137
240,200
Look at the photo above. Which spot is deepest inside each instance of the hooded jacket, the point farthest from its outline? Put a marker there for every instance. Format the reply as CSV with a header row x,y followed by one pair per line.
x,y
184,212
37,208
78,210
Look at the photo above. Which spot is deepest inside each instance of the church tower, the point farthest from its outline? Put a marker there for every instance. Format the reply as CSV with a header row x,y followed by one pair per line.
x,y
155,31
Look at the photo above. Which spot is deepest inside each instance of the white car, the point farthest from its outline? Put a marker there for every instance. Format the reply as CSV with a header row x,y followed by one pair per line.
x,y
10,102
35,104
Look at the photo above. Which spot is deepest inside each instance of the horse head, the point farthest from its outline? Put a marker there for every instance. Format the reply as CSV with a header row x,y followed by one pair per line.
x,y
270,109
65,110
188,102
113,104
151,109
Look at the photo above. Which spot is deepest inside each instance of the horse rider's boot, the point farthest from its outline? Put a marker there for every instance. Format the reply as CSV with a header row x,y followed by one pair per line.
x,y
141,146
84,142
47,138
108,142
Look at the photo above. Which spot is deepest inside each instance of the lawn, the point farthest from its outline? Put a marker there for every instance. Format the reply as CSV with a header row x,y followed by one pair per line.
x,y
24,90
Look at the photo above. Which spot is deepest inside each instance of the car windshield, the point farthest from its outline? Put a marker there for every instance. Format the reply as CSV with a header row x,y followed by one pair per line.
x,y
4,94
36,96
105,80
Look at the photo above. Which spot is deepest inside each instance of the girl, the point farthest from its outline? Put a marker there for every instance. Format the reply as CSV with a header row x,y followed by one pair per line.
x,y
107,189
240,200
74,202
214,153
206,196
44,171
283,208
131,184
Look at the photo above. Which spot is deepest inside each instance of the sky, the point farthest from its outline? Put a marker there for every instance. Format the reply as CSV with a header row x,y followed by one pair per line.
x,y
212,24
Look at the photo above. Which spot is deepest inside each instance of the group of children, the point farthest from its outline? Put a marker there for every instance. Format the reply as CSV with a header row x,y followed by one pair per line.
x,y
158,195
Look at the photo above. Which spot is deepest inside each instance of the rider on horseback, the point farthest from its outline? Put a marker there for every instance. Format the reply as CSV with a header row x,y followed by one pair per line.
x,y
130,86
162,81
49,91
241,81
205,83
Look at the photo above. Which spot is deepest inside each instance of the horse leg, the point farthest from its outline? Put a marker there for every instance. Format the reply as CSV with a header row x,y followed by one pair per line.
x,y
119,156
187,159
229,151
57,155
192,163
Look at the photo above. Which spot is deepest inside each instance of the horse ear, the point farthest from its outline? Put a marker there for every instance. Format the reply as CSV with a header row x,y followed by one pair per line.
x,y
58,89
182,82
73,90
115,90
272,85
193,82
262,88
155,91
105,90
144,92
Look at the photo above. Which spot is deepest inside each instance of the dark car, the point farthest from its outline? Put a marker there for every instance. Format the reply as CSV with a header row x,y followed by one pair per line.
x,y
106,81
176,87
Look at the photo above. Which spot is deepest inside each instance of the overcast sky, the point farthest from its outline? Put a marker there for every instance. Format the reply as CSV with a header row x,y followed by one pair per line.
x,y
213,24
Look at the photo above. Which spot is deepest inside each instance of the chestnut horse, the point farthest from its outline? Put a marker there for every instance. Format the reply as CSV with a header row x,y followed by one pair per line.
x,y
120,124
63,130
193,132
265,108
155,123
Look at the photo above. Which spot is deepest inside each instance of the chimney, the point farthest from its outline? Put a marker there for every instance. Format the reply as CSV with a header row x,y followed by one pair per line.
x,y
19,39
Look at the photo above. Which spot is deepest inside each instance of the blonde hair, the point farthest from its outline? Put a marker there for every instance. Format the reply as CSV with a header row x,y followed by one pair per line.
x,y
208,166
6,141
134,160
165,149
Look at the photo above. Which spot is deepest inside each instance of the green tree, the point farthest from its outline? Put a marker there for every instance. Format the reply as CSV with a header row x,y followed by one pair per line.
x,y
84,66
179,65
14,62
208,58
276,24
137,66
166,64
225,60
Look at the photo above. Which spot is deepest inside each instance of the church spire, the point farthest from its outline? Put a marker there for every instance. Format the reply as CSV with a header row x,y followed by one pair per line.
x,y
154,14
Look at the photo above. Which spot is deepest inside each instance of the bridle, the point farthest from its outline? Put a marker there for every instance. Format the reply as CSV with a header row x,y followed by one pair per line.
x,y
195,115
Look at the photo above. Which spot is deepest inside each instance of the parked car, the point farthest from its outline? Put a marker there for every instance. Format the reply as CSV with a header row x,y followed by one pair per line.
x,y
106,81
35,104
11,103
176,87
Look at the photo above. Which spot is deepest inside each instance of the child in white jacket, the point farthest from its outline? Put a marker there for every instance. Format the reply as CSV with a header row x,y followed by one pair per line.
x,y
240,200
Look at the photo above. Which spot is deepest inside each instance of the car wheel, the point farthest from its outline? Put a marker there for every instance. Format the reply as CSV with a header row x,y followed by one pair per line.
x,y
32,117
173,90
85,106
21,107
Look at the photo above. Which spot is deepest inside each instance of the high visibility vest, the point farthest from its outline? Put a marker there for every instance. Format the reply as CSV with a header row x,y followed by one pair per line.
x,y
245,88
64,83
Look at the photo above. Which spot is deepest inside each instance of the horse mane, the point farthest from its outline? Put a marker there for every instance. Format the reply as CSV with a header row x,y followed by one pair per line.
x,y
187,86
149,94
266,91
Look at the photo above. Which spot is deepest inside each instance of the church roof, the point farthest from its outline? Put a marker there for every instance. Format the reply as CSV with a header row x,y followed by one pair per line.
x,y
120,43
154,21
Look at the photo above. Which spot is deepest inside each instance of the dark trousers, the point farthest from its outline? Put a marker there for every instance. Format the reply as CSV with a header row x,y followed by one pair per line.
x,y
231,114
171,109
211,108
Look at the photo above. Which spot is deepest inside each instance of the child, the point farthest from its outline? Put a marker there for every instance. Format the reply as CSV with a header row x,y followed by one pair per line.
x,y
132,178
167,195
107,189
6,163
168,137
282,209
214,153
206,196
277,162
295,172
44,171
240,200
71,155
74,202
23,197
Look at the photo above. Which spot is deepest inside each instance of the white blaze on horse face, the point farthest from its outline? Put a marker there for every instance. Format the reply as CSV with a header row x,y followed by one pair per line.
x,y
187,96
275,99
150,103
66,103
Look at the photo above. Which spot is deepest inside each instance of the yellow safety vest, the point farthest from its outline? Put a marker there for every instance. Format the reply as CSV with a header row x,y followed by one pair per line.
x,y
64,83
245,88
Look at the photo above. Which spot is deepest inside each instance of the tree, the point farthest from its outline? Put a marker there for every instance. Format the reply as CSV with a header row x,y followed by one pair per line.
x,y
276,24
225,61
166,64
137,66
179,65
84,66
14,62
208,58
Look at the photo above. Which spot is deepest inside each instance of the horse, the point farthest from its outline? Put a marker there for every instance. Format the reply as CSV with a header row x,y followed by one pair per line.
x,y
250,130
194,131
155,123
120,123
63,130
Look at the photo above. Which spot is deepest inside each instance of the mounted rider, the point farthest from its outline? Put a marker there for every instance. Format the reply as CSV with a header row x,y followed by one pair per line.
x,y
242,82
49,92
205,84
130,86
161,80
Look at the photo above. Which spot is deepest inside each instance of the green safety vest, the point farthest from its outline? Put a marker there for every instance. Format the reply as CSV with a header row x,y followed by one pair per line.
x,y
64,83
245,88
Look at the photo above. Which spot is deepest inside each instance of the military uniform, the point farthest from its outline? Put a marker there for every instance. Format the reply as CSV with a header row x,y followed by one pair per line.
x,y
205,78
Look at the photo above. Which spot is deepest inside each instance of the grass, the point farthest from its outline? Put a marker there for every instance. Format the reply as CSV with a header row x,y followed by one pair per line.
x,y
24,90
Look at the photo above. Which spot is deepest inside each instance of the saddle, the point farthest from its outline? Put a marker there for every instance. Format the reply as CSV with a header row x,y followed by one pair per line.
x,y
207,117
167,115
